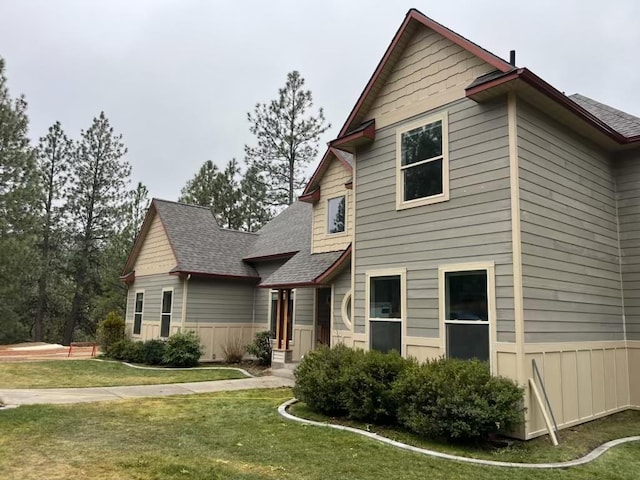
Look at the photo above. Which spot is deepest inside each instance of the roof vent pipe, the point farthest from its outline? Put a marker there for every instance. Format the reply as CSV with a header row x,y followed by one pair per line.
x,y
512,57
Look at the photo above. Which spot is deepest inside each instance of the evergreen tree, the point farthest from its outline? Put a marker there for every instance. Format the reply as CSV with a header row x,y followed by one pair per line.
x,y
202,188
54,156
287,138
19,192
254,193
96,206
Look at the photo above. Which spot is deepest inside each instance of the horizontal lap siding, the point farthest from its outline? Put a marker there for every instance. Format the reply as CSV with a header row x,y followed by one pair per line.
x,y
305,299
473,226
570,262
341,286
152,286
156,255
628,183
219,301
263,295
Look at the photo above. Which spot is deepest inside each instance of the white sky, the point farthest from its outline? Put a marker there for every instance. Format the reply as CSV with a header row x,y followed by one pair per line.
x,y
177,77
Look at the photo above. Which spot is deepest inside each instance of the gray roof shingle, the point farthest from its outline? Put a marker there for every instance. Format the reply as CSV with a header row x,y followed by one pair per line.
x,y
622,122
303,268
200,245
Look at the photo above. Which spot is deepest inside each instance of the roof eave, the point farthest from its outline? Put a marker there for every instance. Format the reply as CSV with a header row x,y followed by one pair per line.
x,y
221,276
330,272
350,142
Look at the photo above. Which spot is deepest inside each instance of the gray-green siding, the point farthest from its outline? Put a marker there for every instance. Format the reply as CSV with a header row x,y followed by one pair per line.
x,y
473,226
341,286
219,301
152,286
628,183
570,262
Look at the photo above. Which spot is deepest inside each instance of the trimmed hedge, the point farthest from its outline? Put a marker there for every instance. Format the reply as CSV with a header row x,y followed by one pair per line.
x,y
450,399
183,350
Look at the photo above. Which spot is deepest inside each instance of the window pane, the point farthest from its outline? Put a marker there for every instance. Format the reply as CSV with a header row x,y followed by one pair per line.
x,y
466,295
386,336
139,297
336,215
166,301
164,325
384,299
137,323
422,143
467,341
424,180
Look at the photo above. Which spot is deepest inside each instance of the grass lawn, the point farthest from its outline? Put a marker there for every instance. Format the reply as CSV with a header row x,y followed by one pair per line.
x,y
231,435
92,373
574,442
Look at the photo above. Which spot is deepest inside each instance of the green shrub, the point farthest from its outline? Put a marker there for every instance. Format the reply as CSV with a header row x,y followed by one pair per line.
x,y
118,349
321,380
369,385
153,352
261,348
110,330
183,350
134,352
457,400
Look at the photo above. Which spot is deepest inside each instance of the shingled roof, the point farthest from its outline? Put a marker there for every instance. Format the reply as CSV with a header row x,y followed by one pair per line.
x,y
622,122
201,246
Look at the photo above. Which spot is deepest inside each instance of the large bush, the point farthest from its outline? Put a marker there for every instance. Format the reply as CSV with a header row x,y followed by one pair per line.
x,y
321,379
261,348
110,330
457,400
183,350
153,352
117,350
368,385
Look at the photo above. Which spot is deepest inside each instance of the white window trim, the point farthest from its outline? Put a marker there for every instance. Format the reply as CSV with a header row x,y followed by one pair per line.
x,y
488,267
388,272
293,314
343,309
135,295
173,297
346,216
402,204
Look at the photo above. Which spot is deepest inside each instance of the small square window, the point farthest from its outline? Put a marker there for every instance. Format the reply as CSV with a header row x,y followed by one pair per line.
x,y
336,215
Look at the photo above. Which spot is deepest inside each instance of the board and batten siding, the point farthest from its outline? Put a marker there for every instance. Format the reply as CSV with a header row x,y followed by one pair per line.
x,y
473,226
570,252
627,170
430,72
152,285
156,255
332,185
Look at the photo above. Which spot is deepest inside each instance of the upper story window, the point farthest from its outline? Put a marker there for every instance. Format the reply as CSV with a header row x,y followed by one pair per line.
x,y
422,173
336,208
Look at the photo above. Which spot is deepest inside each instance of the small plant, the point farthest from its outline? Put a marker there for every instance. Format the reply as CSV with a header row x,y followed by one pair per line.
x,y
457,400
321,379
110,330
153,352
233,350
183,350
261,348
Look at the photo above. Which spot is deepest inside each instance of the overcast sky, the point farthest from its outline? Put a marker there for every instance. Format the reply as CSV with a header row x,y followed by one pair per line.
x,y
177,77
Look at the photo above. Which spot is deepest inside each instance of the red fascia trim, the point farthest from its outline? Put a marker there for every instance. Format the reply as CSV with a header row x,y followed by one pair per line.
x,y
349,185
214,275
545,88
288,285
341,160
316,174
337,264
312,197
275,256
128,278
415,15
368,133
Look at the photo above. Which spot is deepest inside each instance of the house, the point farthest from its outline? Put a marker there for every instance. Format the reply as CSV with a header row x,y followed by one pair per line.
x,y
467,209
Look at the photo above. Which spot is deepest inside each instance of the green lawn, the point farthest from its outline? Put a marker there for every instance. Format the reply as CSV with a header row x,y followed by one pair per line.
x,y
92,373
232,435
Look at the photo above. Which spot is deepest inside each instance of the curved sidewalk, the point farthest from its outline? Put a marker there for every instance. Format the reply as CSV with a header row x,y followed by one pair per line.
x,y
31,396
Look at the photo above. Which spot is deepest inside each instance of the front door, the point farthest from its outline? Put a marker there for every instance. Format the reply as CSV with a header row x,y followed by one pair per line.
x,y
323,316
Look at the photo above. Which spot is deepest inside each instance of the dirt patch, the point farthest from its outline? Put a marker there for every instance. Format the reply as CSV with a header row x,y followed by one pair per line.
x,y
36,351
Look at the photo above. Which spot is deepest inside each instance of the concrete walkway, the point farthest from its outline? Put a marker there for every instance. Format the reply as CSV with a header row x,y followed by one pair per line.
x,y
23,396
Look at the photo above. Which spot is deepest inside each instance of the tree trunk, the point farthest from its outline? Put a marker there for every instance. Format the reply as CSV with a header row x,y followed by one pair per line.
x,y
76,308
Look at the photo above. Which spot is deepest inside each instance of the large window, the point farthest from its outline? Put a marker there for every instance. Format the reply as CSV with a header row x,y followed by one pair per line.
x,y
165,317
386,298
423,169
467,312
273,312
336,215
137,313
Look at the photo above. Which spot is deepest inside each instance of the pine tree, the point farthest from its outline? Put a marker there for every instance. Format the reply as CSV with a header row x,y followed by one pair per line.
x,y
54,156
202,188
254,192
287,139
19,193
96,206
